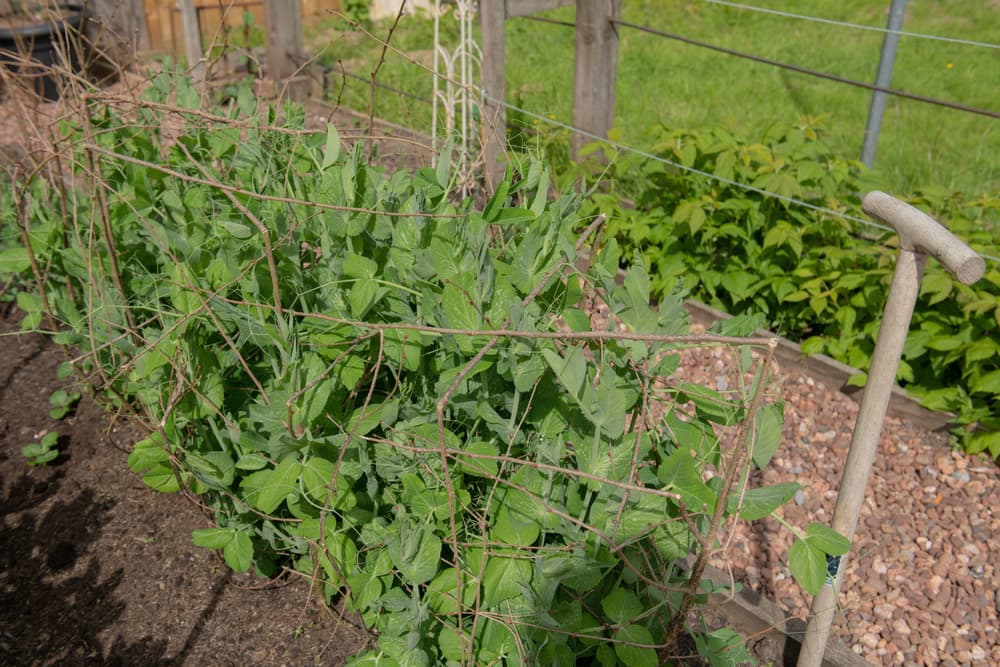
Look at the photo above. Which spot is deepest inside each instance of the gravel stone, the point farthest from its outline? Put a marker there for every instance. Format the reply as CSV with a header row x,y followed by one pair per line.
x,y
924,551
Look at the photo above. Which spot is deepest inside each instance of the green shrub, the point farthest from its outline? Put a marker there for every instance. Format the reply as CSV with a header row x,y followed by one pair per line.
x,y
816,276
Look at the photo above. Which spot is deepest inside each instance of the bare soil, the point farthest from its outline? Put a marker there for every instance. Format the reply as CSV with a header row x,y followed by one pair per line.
x,y
96,568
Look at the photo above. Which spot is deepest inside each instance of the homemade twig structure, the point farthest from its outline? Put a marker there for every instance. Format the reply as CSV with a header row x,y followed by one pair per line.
x,y
919,236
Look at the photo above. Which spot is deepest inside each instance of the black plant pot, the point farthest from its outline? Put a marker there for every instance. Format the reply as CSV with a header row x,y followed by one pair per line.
x,y
41,42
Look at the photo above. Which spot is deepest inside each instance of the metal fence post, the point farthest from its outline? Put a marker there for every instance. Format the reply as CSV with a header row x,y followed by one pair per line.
x,y
882,79
595,69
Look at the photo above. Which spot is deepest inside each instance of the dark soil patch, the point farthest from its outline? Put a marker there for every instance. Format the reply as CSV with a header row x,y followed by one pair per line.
x,y
95,568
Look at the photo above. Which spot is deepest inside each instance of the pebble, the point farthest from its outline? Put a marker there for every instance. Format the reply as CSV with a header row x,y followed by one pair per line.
x,y
925,548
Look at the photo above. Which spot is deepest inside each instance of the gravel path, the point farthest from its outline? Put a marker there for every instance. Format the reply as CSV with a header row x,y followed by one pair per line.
x,y
922,589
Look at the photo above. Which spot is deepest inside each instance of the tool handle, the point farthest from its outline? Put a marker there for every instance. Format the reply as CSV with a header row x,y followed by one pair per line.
x,y
921,233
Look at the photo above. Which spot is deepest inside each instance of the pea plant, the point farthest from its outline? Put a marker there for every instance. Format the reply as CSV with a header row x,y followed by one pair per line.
x,y
379,387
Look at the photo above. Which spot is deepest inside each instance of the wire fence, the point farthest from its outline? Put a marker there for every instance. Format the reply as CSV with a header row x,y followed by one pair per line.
x,y
989,113
548,120
853,26
810,72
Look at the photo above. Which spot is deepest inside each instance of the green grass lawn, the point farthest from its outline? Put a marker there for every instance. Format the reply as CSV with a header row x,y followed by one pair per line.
x,y
666,82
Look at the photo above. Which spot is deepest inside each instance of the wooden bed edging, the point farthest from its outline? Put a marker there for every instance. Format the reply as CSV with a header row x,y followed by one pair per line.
x,y
752,613
831,372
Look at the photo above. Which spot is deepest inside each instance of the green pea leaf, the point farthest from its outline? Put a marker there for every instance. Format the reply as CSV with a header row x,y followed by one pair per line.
x,y
678,472
830,541
415,551
621,605
571,369
267,489
213,538
238,554
331,153
629,653
767,429
760,502
808,565
505,578
14,260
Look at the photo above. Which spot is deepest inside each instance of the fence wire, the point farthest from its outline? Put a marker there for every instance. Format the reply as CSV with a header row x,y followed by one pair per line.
x,y
548,120
854,26
810,72
989,113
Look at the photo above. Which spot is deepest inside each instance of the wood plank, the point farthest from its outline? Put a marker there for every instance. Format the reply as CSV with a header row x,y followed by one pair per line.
x,y
118,27
831,372
154,25
494,117
317,10
192,38
284,37
164,26
752,613
525,7
595,69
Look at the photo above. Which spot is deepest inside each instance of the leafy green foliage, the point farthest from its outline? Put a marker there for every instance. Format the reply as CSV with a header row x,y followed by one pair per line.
x,y
44,451
62,403
310,340
814,277
807,557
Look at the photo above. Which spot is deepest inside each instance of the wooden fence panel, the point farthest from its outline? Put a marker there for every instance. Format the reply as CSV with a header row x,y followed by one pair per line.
x,y
166,32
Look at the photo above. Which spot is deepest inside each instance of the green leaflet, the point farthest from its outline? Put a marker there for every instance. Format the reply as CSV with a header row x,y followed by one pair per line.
x,y
807,557
266,489
415,551
759,503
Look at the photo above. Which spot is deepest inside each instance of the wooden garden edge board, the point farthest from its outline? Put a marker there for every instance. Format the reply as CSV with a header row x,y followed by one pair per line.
x,y
752,613
831,372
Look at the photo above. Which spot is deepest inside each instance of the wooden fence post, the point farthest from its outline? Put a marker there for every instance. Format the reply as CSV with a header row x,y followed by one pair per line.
x,y
596,66
192,39
284,39
492,14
